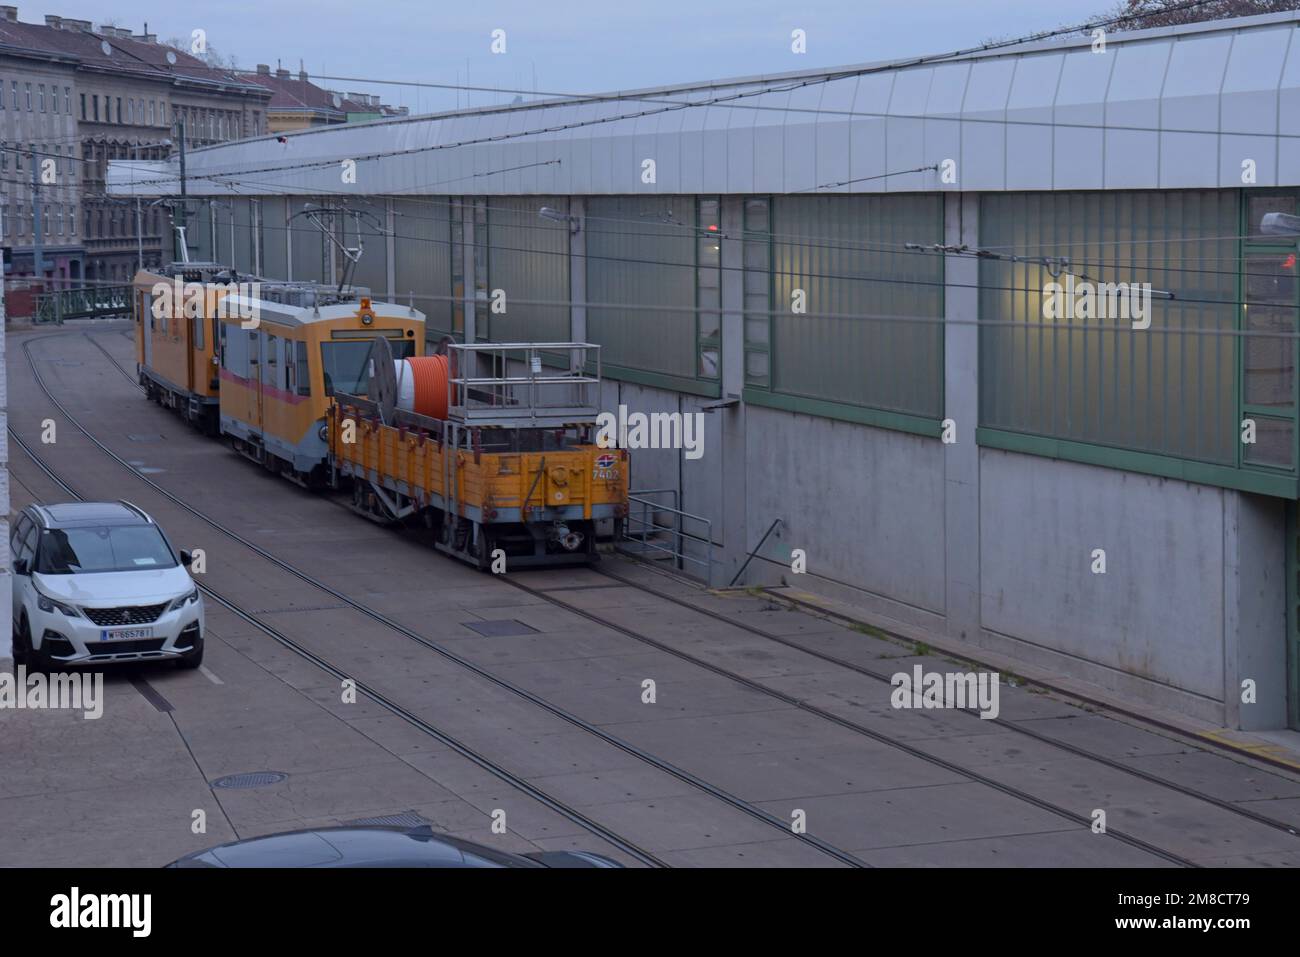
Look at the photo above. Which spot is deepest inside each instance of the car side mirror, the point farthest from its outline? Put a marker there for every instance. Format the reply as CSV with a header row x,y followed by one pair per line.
x,y
21,567
187,558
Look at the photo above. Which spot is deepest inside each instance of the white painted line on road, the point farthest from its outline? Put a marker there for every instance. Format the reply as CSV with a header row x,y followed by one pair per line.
x,y
210,676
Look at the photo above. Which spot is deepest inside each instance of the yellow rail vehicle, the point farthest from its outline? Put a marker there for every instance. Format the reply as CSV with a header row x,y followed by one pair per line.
x,y
174,342
504,469
278,377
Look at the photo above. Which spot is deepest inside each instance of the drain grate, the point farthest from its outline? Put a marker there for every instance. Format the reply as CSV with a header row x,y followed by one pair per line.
x,y
250,779
144,436
500,629
405,819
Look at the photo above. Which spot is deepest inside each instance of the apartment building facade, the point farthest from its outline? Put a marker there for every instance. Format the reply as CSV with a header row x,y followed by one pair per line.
x,y
78,96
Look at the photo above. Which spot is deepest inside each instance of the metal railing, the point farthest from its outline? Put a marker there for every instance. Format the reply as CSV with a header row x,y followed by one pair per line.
x,y
517,384
85,302
643,533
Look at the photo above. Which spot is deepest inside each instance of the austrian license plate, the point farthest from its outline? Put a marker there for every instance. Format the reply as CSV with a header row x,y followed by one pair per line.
x,y
124,634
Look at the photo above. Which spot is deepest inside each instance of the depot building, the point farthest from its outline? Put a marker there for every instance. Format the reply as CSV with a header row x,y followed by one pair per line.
x,y
844,272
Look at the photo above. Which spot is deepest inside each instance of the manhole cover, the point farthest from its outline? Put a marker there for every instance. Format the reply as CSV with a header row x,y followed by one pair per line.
x,y
144,436
406,819
252,779
499,629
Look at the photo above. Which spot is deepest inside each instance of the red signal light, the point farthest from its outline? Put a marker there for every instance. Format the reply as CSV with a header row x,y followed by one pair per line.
x,y
1289,262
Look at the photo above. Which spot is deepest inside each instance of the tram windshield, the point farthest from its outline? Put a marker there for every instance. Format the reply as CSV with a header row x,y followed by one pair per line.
x,y
344,363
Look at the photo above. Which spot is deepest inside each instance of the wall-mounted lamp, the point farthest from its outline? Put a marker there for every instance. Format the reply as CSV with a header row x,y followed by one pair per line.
x,y
575,224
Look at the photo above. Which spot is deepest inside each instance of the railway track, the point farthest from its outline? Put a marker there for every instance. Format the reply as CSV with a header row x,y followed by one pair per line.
x,y
737,803
487,764
997,722
756,686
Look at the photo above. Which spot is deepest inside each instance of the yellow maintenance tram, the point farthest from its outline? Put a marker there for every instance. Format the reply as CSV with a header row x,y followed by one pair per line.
x,y
491,446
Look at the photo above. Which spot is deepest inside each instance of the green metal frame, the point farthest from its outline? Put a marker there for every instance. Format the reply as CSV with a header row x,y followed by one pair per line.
x,y
1246,247
83,302
1260,481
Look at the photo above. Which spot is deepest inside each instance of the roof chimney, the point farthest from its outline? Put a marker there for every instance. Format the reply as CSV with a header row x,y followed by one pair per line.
x,y
77,25
52,21
302,72
263,70
281,72
9,13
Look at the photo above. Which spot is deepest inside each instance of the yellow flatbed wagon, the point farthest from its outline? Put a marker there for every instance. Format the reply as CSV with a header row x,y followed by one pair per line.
x,y
506,470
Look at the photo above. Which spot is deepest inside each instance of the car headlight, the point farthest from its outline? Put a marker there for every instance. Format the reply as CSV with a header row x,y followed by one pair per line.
x,y
184,600
45,603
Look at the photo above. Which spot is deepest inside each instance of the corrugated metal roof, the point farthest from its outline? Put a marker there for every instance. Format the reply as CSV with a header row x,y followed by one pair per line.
x,y
1175,107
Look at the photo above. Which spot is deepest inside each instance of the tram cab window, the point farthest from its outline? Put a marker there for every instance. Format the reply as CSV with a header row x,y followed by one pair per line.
x,y
198,332
345,363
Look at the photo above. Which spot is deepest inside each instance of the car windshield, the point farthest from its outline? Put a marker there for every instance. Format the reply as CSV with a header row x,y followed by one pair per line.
x,y
103,548
345,363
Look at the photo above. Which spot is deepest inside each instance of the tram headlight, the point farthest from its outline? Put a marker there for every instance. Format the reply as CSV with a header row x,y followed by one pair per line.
x,y
323,432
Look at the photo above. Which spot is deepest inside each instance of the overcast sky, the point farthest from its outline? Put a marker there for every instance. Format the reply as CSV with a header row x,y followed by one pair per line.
x,y
571,46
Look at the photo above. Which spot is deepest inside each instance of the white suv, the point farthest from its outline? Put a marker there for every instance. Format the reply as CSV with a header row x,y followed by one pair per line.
x,y
98,582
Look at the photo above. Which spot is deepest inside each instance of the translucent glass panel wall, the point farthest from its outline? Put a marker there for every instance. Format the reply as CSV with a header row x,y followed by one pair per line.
x,y
422,258
1168,389
856,318
528,261
641,253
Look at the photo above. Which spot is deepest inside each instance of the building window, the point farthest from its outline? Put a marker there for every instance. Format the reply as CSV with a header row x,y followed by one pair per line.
x,y
162,112
28,87
757,257
2,94
119,109
151,113
94,103
67,100
40,96
14,87
83,106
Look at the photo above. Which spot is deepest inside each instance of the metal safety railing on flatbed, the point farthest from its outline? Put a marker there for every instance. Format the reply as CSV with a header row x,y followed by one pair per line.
x,y
523,384
657,531
83,302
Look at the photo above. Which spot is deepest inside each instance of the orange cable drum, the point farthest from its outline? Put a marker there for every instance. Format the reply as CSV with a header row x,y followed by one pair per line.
x,y
429,374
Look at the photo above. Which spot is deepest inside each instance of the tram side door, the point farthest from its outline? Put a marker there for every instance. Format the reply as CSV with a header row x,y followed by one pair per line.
x,y
146,328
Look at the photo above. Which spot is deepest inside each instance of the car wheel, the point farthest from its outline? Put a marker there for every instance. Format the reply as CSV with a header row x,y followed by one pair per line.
x,y
193,658
23,643
36,660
